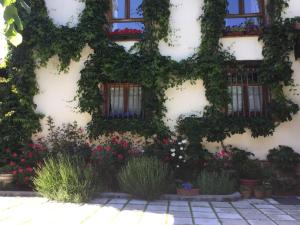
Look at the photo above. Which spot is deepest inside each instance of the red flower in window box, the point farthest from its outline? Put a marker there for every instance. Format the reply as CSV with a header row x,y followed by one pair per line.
x,y
14,172
20,170
125,31
14,155
99,148
125,34
29,169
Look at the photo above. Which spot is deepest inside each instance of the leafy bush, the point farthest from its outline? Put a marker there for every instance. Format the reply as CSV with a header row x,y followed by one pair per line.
x,y
110,156
145,177
250,169
65,178
67,139
284,158
21,162
216,183
239,156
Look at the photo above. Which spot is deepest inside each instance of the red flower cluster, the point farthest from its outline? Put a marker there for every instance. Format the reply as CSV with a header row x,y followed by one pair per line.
x,y
21,162
126,31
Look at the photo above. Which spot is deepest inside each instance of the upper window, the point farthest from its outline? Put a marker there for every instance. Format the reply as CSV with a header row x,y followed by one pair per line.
x,y
249,97
126,19
122,100
243,17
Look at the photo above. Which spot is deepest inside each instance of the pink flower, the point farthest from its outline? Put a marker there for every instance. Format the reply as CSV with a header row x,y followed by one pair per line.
x,y
107,148
7,150
14,172
20,170
29,169
120,156
26,179
125,144
23,160
30,154
11,163
14,155
99,148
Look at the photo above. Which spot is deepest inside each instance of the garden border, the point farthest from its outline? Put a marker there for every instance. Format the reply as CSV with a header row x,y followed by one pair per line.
x,y
232,197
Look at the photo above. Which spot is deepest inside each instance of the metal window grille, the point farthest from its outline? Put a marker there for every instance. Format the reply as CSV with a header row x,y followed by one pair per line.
x,y
122,100
248,96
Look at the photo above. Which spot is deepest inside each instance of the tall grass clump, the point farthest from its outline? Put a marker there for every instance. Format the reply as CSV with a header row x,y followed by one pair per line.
x,y
216,183
146,178
65,178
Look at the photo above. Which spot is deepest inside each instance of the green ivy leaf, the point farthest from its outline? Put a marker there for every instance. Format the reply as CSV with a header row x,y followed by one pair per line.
x,y
13,36
11,16
6,3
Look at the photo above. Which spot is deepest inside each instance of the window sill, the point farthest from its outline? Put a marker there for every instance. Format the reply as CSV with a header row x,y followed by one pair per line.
x,y
241,34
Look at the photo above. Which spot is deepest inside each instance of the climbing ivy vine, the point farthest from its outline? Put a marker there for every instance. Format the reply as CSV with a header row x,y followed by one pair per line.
x,y
144,65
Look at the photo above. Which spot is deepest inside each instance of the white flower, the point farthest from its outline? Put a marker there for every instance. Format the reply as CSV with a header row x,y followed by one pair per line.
x,y
180,157
173,154
184,141
179,143
177,166
184,160
181,148
173,150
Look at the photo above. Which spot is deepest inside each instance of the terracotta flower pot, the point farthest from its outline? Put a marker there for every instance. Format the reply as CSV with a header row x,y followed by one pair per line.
x,y
6,179
246,193
259,194
188,192
249,182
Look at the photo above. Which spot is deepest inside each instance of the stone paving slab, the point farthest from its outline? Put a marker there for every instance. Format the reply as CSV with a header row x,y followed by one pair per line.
x,y
121,211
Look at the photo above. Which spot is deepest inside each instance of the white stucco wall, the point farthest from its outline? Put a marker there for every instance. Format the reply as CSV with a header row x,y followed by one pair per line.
x,y
57,90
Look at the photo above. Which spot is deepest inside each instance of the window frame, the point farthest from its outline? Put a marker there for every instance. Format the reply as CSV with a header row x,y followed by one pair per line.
x,y
105,92
242,14
245,84
127,19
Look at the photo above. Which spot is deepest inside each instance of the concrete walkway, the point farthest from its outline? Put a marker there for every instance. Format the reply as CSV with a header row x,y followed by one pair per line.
x,y
40,211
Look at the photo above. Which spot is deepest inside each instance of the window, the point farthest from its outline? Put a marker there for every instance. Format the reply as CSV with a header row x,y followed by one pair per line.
x,y
244,16
126,18
122,100
248,96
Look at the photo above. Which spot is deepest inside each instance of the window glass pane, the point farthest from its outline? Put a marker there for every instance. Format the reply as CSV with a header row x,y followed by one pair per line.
x,y
130,25
233,6
134,9
236,94
251,6
135,101
116,101
255,98
118,9
230,22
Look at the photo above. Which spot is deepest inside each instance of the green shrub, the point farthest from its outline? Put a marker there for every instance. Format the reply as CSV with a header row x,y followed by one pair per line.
x,y
65,178
216,183
284,158
145,178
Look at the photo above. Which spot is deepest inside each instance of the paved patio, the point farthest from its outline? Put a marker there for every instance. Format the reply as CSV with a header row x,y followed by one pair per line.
x,y
40,211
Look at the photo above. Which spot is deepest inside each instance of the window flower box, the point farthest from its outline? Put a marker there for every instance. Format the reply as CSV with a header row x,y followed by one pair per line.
x,y
126,34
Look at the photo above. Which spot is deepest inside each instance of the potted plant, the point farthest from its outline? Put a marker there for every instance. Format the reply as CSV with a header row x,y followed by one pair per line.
x,y
251,28
6,177
268,188
245,191
259,192
187,189
236,30
126,34
250,173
